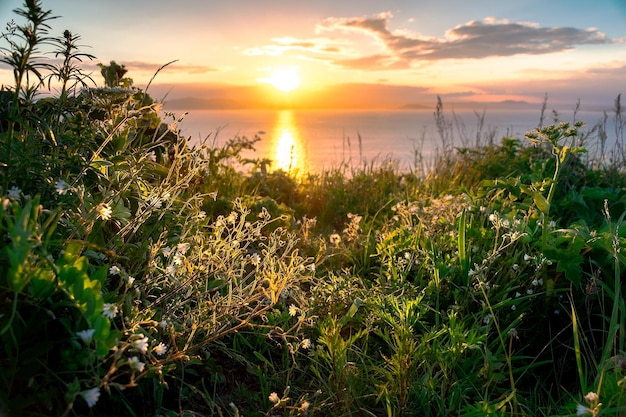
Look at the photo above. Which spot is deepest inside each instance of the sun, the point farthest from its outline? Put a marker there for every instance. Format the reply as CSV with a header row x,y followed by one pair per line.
x,y
285,79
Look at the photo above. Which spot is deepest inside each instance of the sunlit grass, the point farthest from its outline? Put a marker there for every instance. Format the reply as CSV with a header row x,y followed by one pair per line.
x,y
140,276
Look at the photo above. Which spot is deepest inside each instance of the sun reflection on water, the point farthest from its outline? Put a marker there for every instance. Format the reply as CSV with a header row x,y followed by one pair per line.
x,y
287,144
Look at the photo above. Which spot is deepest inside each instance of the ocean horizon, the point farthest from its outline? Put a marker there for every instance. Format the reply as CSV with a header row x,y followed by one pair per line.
x,y
315,140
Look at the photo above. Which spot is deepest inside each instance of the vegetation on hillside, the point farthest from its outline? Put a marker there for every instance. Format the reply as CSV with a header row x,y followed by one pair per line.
x,y
143,276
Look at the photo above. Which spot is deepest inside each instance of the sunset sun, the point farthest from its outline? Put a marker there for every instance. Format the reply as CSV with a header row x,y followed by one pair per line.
x,y
285,79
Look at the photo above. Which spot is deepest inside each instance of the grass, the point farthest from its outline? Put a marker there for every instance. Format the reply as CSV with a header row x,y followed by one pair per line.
x,y
142,277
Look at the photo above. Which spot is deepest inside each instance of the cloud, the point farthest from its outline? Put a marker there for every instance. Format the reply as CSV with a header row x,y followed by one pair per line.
x,y
401,49
284,45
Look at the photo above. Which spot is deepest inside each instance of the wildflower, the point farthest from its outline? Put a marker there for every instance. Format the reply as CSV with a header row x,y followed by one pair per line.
x,y
513,307
529,291
591,397
487,318
335,239
91,396
182,248
528,258
306,344
171,270
61,187
254,258
581,410
14,193
110,310
105,212
293,310
513,333
178,258
201,215
130,280
552,224
274,398
515,267
163,324
213,195
141,344
304,406
311,267
136,364
160,349
114,270
537,282
232,218
86,335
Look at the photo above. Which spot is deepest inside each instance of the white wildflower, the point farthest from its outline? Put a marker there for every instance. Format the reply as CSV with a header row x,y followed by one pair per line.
x,y
91,396
61,187
105,212
14,193
581,410
136,364
306,344
160,349
293,310
86,335
110,310
141,344
114,270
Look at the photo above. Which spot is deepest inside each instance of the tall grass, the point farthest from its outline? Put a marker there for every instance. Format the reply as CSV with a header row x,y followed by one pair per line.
x,y
140,276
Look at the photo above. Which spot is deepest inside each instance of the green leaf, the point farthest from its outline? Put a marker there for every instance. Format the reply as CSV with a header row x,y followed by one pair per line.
x,y
542,204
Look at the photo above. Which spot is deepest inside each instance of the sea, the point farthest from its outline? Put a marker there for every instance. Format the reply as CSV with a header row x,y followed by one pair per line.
x,y
318,140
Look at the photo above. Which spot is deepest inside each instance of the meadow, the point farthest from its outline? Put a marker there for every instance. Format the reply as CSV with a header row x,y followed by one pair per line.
x,y
143,276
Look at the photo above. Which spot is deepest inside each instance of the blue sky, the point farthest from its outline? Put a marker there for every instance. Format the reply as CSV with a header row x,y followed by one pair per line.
x,y
480,50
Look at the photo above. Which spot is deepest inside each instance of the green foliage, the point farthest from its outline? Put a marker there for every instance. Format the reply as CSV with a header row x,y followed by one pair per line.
x,y
142,276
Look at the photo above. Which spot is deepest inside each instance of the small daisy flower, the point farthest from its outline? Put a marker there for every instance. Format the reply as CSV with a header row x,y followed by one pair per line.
x,y
105,212
306,344
141,344
114,270
293,310
160,349
136,364
130,280
166,251
274,398
182,248
61,187
581,410
86,335
171,270
110,310
91,396
14,193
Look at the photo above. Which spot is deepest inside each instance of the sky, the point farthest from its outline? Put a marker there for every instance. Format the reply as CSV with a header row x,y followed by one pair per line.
x,y
365,53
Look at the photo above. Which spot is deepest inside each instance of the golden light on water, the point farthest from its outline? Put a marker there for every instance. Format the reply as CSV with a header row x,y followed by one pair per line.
x,y
287,144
